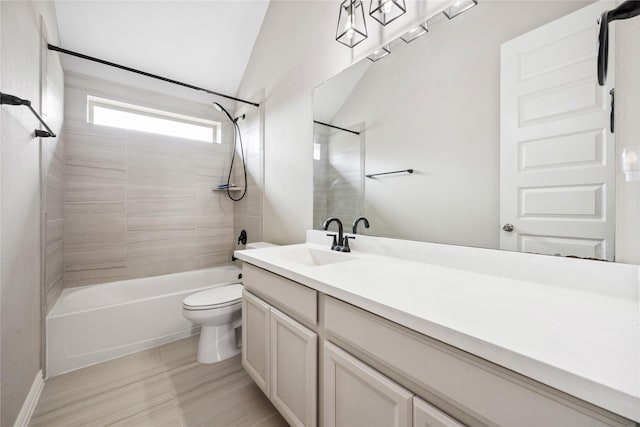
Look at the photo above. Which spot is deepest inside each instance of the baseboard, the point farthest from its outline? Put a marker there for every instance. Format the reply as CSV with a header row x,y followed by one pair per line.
x,y
29,405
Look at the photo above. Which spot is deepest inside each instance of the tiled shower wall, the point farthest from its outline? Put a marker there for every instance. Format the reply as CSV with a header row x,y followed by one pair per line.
x,y
138,204
53,201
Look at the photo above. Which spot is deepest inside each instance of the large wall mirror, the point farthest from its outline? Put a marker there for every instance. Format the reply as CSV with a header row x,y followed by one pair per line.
x,y
498,114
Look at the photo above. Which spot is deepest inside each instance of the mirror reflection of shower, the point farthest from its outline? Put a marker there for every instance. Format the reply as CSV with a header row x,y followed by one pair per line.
x,y
338,176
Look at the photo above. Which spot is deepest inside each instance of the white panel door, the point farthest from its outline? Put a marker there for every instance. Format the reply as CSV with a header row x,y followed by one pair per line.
x,y
557,154
356,395
294,370
255,339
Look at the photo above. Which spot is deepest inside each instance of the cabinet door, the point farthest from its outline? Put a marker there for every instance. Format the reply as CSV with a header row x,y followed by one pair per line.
x,y
255,339
294,367
355,395
425,415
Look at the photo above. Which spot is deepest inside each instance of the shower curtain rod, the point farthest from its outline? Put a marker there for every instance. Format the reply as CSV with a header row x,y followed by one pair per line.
x,y
144,73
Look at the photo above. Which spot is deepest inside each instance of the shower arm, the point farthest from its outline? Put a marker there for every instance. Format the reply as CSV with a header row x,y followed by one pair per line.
x,y
626,10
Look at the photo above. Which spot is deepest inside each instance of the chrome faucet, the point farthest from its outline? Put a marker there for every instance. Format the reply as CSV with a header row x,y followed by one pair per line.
x,y
337,244
354,228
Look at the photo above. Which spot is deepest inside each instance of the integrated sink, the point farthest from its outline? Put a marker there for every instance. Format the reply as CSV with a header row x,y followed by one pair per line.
x,y
313,257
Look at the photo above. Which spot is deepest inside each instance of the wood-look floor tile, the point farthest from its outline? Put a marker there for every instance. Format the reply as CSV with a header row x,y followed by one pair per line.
x,y
163,386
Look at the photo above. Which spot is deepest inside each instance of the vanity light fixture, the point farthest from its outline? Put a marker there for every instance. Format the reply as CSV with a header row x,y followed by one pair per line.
x,y
379,53
352,28
385,11
414,33
458,7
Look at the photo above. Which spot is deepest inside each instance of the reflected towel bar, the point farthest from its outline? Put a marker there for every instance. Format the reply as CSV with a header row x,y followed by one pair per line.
x,y
336,127
5,98
387,173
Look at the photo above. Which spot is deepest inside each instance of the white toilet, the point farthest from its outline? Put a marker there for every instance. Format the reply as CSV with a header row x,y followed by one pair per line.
x,y
218,312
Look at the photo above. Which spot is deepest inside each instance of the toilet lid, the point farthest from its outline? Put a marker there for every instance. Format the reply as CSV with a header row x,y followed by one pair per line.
x,y
215,297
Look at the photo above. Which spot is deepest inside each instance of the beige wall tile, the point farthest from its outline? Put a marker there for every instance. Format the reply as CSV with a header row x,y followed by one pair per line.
x,y
54,197
94,200
146,232
159,201
55,229
157,260
95,157
84,234
213,260
97,266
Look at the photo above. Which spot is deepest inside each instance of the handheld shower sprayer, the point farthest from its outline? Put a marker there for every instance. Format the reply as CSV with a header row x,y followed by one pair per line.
x,y
236,132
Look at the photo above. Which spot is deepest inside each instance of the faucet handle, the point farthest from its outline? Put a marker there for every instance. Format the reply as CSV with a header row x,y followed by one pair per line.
x,y
346,247
334,245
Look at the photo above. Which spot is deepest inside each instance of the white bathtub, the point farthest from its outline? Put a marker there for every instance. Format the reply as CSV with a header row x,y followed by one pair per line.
x,y
91,324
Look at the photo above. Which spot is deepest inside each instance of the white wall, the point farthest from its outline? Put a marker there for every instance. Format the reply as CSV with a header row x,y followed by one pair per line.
x,y
296,51
20,280
627,135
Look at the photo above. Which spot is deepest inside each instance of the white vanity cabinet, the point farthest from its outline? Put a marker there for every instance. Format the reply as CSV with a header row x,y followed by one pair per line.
x,y
280,354
256,315
356,395
375,372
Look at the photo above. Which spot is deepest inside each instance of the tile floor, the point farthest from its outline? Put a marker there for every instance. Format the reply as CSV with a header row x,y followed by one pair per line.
x,y
163,386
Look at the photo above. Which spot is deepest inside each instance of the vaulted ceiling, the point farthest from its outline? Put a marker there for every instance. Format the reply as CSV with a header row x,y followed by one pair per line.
x,y
203,43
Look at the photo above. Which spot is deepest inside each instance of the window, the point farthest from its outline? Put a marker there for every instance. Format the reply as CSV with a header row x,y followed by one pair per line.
x,y
101,111
316,151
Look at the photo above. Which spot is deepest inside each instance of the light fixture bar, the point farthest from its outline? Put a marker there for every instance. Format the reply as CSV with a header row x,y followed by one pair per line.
x,y
414,33
379,53
459,7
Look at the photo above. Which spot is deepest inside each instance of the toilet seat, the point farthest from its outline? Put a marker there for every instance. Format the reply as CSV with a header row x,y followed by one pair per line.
x,y
222,296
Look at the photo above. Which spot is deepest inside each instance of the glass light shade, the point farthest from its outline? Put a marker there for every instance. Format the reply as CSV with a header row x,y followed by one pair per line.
x,y
458,7
385,11
352,28
414,33
379,53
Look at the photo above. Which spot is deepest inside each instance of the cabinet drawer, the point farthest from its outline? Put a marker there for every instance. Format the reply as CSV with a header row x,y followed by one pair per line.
x,y
485,391
282,292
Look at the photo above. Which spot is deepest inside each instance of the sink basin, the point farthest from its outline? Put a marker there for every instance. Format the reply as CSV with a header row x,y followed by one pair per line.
x,y
314,257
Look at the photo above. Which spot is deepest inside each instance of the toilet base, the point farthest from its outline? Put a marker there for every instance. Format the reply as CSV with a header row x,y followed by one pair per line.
x,y
217,343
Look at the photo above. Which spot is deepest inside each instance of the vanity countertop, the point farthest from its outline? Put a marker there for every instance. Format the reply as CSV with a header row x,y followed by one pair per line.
x,y
583,343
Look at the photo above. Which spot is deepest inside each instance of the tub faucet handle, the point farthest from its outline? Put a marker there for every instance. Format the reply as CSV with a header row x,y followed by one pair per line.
x,y
243,237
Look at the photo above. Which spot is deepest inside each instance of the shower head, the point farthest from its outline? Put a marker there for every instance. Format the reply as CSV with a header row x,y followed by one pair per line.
x,y
224,110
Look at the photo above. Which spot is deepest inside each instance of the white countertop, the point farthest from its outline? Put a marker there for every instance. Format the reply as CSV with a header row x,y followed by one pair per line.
x,y
583,343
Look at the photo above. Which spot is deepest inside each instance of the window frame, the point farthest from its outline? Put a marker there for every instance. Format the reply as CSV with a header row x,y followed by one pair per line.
x,y
125,107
